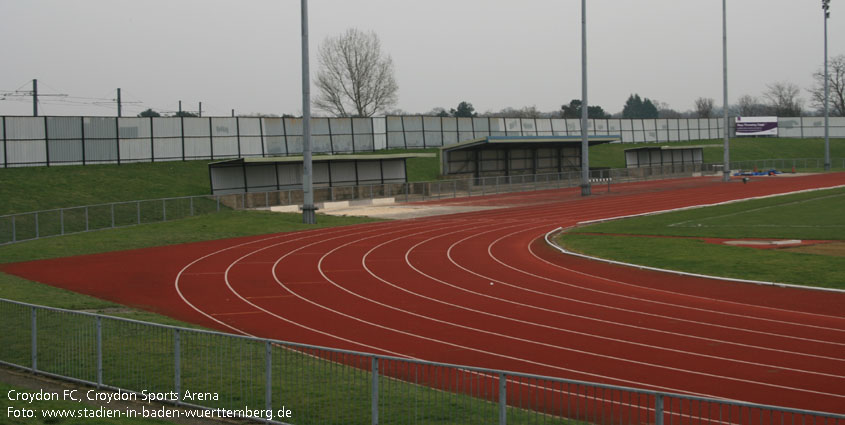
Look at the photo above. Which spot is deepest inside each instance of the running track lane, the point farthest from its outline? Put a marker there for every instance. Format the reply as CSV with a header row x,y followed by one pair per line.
x,y
422,289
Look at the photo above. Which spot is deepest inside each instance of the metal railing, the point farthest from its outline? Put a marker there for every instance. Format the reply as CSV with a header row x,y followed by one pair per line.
x,y
61,221
799,164
284,382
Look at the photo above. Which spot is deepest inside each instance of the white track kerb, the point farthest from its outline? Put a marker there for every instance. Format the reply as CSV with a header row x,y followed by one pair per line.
x,y
756,282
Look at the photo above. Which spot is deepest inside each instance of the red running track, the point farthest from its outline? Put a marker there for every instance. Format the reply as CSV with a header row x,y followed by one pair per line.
x,y
483,289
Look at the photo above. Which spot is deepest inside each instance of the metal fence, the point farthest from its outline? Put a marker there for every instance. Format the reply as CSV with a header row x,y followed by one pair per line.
x,y
40,141
62,221
284,382
800,164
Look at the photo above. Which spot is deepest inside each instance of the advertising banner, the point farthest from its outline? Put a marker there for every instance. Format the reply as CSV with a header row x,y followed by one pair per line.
x,y
757,126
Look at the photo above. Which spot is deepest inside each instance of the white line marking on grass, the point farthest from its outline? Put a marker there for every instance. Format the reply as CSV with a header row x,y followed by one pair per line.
x,y
756,282
755,210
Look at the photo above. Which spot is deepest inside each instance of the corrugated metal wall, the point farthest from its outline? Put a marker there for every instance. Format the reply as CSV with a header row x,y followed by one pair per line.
x,y
238,176
35,141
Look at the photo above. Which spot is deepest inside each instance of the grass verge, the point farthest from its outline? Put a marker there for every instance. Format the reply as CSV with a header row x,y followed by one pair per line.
x,y
807,216
316,385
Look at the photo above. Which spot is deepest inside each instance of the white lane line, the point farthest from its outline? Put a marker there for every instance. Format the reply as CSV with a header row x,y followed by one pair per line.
x,y
627,325
295,323
666,291
204,313
522,340
664,317
413,248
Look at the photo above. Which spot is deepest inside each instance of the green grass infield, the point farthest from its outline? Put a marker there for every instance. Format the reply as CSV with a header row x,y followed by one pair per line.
x,y
675,240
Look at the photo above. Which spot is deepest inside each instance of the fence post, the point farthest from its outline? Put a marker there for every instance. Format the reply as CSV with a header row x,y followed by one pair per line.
x,y
138,210
62,219
503,399
374,399
177,365
99,352
14,230
192,206
163,210
658,409
112,215
268,363
37,235
218,203
87,226
34,332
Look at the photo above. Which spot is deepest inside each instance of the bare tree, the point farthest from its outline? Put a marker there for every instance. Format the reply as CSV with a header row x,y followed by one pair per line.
x,y
704,107
355,79
749,106
783,98
836,87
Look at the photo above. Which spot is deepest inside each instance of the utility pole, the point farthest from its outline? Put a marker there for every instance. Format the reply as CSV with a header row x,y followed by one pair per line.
x,y
34,93
200,112
119,109
34,97
180,108
233,113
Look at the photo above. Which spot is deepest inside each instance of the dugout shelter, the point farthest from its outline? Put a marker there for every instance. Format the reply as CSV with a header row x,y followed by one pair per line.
x,y
655,156
515,155
284,173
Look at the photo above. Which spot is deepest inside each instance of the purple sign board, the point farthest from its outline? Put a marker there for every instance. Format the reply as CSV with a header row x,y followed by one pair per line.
x,y
756,126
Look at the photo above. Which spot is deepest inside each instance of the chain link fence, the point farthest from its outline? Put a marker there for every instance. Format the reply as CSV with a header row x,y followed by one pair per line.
x,y
282,382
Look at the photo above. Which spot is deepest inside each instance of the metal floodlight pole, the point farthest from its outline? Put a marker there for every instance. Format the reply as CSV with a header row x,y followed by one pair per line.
x,y
726,171
825,9
585,144
308,216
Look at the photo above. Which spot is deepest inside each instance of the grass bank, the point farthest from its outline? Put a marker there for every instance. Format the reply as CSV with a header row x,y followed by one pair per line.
x,y
40,188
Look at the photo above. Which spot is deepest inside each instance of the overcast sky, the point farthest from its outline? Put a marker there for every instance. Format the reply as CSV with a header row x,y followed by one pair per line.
x,y
245,54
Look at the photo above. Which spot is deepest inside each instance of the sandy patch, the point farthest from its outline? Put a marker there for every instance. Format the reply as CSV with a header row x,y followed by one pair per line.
x,y
833,249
